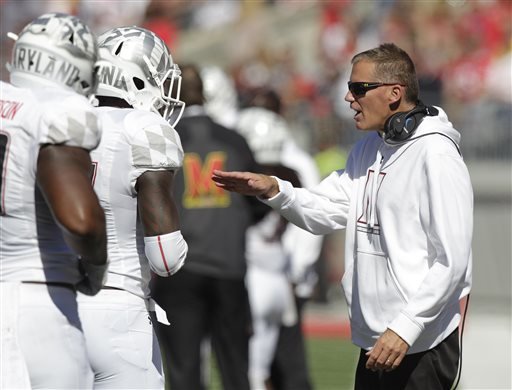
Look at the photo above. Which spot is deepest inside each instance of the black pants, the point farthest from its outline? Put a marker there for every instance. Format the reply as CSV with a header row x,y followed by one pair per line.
x,y
200,306
290,369
434,369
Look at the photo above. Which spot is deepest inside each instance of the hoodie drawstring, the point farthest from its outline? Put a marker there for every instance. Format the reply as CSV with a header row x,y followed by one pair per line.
x,y
374,189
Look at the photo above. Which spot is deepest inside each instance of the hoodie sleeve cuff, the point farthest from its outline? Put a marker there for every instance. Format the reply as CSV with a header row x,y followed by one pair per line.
x,y
406,328
283,197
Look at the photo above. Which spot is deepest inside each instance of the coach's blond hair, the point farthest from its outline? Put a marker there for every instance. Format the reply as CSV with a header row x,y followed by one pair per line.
x,y
392,65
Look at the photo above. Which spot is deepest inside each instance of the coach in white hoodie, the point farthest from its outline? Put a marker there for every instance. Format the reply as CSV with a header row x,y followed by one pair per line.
x,y
406,201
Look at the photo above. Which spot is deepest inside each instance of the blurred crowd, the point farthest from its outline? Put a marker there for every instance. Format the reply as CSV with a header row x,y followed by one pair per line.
x,y
462,50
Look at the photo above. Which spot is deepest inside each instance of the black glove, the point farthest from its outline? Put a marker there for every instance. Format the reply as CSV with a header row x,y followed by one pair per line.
x,y
94,277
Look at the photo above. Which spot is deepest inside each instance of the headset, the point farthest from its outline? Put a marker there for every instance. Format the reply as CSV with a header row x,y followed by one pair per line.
x,y
401,126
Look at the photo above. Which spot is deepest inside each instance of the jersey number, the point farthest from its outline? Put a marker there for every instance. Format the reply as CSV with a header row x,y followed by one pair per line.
x,y
4,153
94,172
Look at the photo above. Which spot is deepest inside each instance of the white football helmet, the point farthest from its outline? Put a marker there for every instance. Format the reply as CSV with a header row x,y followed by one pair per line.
x,y
136,66
221,98
265,132
55,48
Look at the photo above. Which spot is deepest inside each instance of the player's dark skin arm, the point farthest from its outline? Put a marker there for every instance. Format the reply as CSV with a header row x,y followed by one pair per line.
x,y
157,210
63,176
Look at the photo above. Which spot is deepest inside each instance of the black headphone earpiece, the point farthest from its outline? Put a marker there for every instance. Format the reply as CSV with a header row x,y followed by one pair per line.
x,y
401,126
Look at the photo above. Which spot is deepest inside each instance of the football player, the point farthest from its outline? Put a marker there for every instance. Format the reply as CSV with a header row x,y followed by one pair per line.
x,y
207,299
134,166
52,228
220,95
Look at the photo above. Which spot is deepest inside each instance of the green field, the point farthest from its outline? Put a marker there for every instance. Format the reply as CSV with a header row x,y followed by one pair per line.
x,y
332,363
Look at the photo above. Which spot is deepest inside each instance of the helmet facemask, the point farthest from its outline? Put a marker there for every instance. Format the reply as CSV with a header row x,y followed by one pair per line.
x,y
170,91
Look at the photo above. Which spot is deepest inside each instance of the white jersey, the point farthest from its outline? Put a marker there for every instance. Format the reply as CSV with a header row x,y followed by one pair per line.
x,y
134,142
407,209
294,249
264,246
270,293
32,247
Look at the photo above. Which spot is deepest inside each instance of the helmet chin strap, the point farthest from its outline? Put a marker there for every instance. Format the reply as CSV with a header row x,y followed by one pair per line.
x,y
93,100
130,95
131,99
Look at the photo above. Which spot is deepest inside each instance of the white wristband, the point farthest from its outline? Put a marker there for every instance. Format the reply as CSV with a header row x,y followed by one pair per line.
x,y
166,253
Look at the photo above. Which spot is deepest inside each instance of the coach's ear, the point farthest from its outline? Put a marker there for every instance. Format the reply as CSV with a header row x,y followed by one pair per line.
x,y
395,95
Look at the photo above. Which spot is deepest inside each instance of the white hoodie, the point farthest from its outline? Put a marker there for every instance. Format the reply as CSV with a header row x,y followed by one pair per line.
x,y
408,211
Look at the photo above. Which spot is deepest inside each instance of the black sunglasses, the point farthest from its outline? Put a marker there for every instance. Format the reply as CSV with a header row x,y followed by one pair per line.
x,y
360,88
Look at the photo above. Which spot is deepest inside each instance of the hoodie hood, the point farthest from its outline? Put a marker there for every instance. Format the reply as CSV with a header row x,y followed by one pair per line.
x,y
437,124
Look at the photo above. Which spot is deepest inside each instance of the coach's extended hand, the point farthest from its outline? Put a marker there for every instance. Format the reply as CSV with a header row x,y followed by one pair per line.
x,y
246,183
